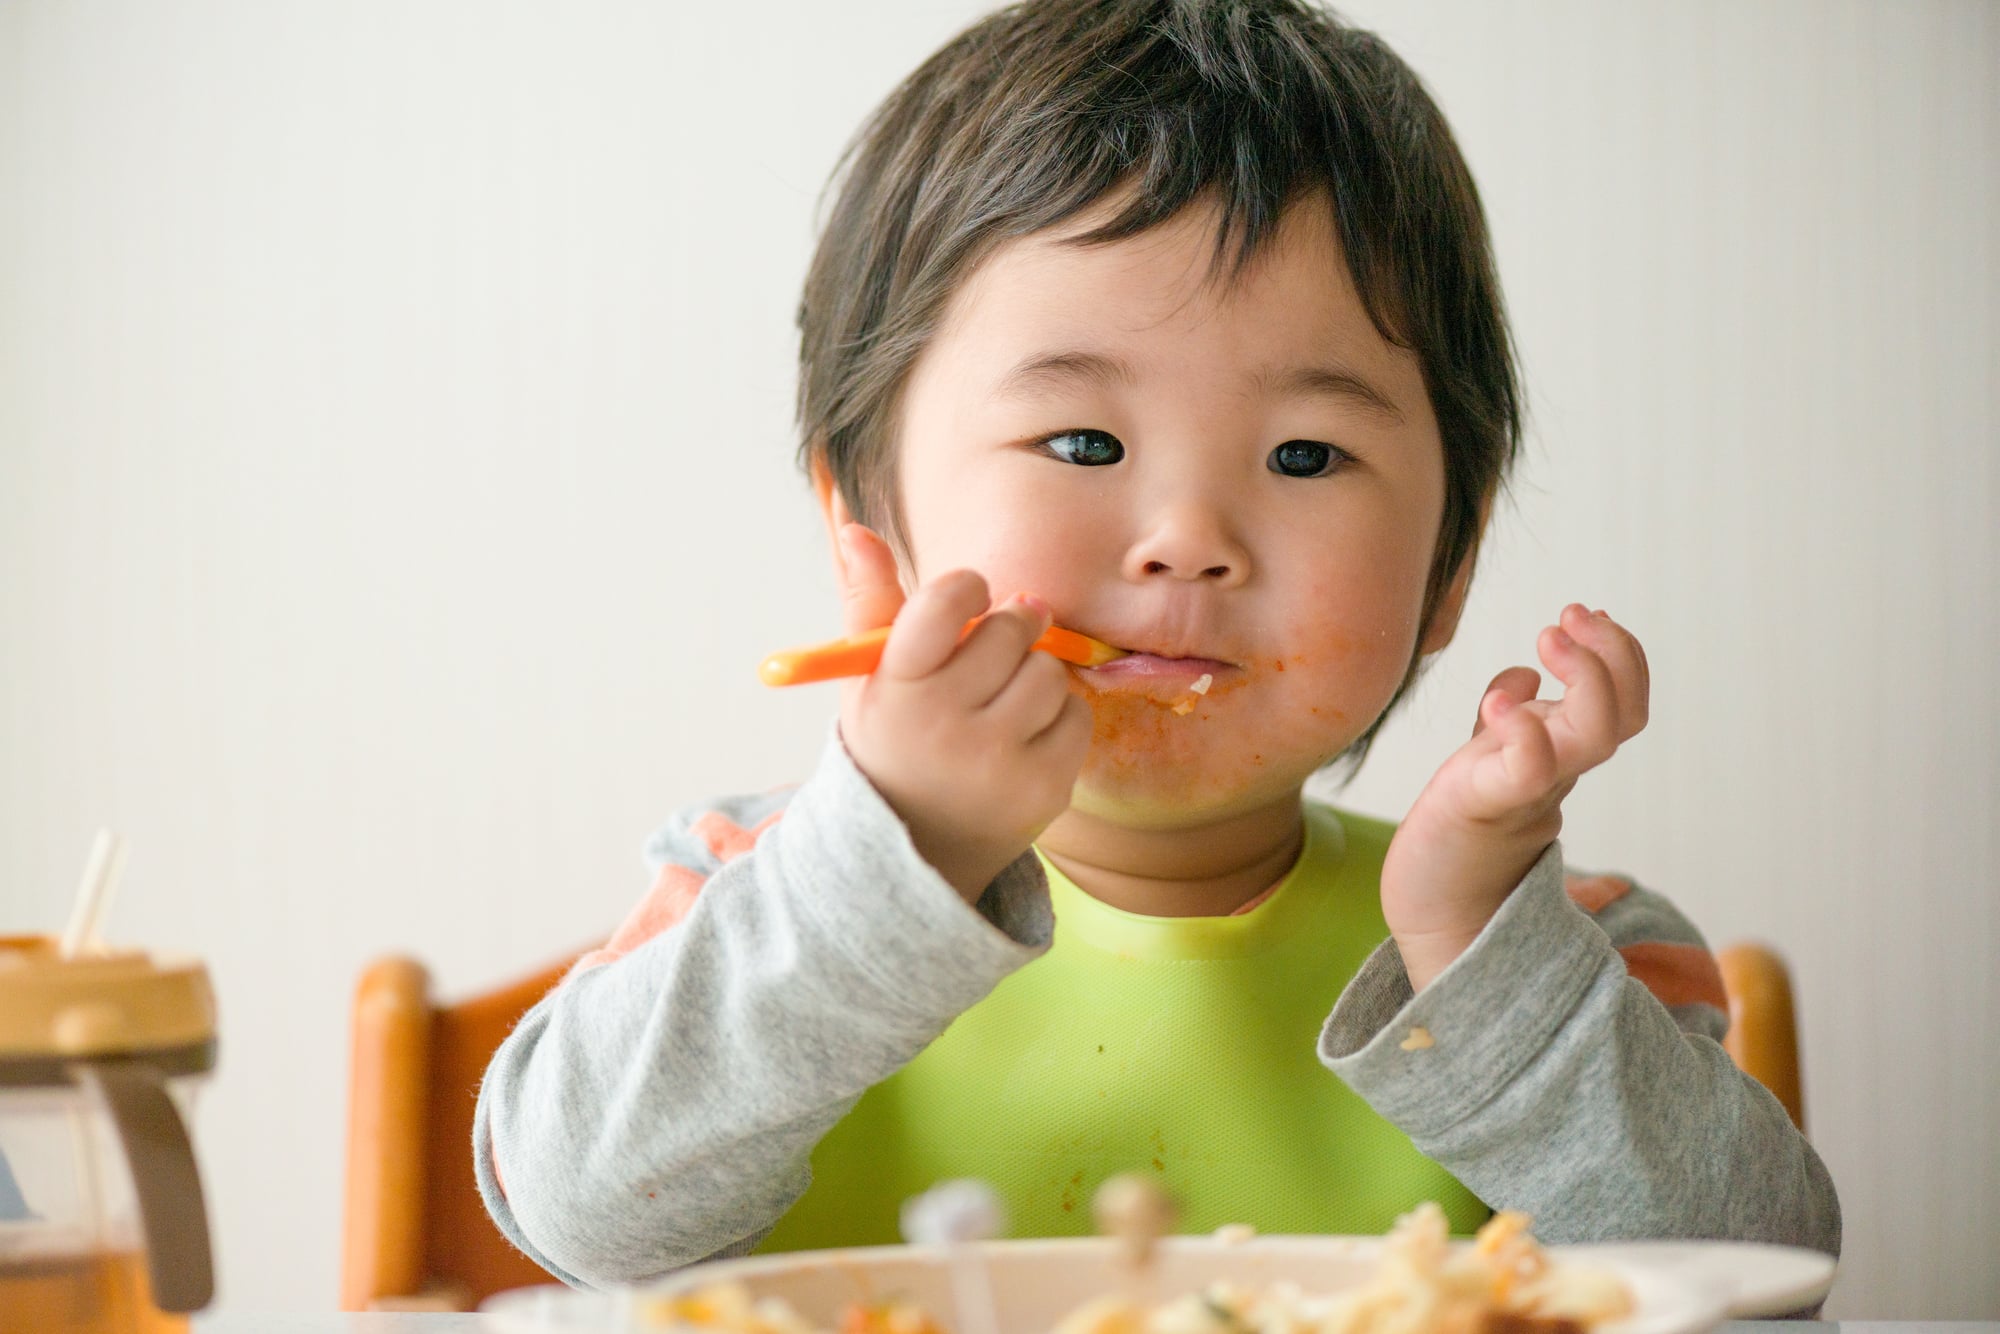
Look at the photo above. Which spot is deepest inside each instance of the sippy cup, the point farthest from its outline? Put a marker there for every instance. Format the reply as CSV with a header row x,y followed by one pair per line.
x,y
102,1227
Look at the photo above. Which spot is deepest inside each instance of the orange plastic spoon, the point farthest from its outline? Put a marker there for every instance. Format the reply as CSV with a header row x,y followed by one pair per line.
x,y
858,655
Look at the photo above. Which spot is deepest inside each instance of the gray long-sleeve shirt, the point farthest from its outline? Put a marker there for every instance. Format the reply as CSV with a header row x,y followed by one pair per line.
x,y
660,1107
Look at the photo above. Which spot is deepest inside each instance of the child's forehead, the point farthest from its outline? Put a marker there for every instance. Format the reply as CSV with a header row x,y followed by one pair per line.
x,y
1176,281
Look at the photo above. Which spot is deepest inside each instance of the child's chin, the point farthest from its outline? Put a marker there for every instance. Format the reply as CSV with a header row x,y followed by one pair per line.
x,y
1151,768
1170,797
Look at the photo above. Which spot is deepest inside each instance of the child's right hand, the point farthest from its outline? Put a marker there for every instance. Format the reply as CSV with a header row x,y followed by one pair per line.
x,y
975,744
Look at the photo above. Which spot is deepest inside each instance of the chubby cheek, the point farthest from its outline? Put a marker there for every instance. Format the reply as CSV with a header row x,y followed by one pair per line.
x,y
1013,557
1352,650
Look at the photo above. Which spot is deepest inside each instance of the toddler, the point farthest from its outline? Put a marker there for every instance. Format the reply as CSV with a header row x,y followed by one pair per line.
x,y
1173,322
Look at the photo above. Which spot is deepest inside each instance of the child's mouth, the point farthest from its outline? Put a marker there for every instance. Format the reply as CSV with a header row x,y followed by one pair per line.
x,y
1152,672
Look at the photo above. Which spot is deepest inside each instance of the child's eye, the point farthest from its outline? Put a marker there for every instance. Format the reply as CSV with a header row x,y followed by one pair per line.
x,y
1306,458
1085,448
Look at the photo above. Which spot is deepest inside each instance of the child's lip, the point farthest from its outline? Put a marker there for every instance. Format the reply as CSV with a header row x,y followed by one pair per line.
x,y
1157,668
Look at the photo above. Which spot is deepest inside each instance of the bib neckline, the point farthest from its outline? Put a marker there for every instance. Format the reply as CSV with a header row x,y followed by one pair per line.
x,y
1092,922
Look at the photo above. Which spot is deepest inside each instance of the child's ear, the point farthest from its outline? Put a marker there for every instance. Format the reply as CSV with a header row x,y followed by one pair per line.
x,y
833,509
1444,619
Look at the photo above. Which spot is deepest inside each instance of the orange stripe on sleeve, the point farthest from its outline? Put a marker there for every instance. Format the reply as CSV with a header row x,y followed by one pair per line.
x,y
1677,974
1595,893
727,839
672,896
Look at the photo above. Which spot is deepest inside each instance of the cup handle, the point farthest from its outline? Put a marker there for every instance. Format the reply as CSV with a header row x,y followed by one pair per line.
x,y
156,1146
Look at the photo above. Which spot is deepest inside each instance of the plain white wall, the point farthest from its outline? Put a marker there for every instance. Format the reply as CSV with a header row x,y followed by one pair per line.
x,y
395,499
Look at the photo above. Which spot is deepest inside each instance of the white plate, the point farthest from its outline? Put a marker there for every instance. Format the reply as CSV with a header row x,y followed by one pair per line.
x,y
1758,1281
1679,1287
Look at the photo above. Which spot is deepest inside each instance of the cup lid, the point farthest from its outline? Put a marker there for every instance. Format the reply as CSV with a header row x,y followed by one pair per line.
x,y
124,1002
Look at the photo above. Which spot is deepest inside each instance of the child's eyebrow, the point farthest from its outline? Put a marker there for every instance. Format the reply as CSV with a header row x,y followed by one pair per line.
x,y
1060,370
1329,382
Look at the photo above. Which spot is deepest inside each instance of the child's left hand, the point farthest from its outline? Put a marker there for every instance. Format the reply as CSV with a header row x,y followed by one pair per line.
x,y
1487,816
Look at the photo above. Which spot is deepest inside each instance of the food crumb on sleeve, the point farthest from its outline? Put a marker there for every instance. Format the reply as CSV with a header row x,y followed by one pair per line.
x,y
1419,1039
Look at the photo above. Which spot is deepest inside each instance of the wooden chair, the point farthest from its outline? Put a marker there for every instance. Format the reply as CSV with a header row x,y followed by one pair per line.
x,y
417,1236
1763,1036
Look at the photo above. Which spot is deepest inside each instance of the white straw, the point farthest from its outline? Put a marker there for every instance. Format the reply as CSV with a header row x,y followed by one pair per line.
x,y
93,893
113,879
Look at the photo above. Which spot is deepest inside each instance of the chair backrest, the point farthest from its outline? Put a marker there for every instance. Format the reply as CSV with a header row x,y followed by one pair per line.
x,y
417,1236
1763,1036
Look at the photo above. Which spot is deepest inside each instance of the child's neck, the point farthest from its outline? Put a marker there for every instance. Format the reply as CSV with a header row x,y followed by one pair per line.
x,y
1209,870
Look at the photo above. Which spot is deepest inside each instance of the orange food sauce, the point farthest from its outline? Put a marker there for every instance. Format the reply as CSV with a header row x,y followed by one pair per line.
x,y
1175,754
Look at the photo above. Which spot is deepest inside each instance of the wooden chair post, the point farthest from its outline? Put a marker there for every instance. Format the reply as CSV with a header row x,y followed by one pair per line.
x,y
388,1096
1763,1036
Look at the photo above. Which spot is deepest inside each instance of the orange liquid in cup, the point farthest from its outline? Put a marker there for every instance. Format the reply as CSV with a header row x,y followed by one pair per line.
x,y
96,1293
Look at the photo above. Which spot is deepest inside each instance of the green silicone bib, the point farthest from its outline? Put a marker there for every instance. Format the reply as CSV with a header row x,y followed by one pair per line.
x,y
1183,1047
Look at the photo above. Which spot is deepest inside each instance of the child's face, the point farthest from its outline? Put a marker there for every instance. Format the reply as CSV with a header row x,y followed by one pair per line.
x,y
1245,482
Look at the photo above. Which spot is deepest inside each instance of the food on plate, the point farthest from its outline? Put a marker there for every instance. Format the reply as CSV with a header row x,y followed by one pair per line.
x,y
1502,1283
888,1318
726,1306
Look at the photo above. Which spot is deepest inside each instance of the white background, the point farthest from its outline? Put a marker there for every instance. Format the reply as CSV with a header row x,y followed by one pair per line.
x,y
396,497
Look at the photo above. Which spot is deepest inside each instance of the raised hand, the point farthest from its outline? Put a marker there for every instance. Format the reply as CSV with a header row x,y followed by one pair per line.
x,y
1496,804
974,741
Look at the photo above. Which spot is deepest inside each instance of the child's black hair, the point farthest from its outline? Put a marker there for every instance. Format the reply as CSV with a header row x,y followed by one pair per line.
x,y
1043,109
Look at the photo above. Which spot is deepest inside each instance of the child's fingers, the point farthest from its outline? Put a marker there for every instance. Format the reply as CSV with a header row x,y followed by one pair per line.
x,y
1515,686
871,590
1064,743
1585,724
1626,658
1523,763
928,627
993,653
1031,698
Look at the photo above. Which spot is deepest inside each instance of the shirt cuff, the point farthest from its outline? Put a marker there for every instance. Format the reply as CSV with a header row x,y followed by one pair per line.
x,y
1426,1061
897,920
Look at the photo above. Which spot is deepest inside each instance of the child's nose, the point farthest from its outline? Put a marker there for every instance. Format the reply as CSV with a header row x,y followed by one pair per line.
x,y
1191,543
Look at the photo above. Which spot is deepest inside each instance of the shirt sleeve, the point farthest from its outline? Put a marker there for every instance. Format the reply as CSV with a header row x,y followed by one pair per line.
x,y
659,1107
1568,1065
